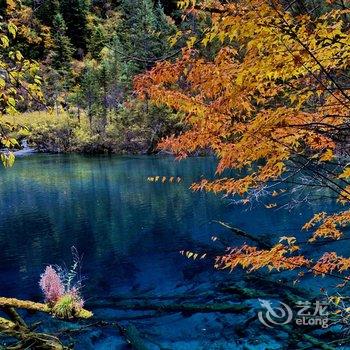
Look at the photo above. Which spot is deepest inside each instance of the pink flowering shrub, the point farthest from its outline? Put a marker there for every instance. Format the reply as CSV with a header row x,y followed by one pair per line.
x,y
75,293
51,285
62,288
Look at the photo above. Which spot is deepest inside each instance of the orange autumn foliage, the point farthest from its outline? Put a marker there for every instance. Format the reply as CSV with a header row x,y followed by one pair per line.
x,y
330,262
272,100
253,259
328,225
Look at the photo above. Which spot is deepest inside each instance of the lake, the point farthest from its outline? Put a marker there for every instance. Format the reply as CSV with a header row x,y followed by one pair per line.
x,y
130,231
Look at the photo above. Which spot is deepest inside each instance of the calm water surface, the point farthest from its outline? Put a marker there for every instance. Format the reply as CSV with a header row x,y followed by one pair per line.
x,y
129,230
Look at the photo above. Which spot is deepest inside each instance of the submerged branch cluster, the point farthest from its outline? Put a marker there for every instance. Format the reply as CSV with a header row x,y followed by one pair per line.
x,y
15,327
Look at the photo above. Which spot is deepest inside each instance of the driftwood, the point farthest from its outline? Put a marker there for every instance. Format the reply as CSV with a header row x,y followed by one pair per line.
x,y
317,343
14,316
30,305
7,325
290,294
15,327
28,339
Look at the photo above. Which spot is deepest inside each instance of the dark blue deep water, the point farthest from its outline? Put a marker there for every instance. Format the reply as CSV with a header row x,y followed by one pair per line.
x,y
130,232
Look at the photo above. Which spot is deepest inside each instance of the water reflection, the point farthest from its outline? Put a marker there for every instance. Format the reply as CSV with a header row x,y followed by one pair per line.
x,y
130,230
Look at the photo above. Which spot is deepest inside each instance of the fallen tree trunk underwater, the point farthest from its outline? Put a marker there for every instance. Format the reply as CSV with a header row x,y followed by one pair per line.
x,y
216,300
171,304
187,308
133,337
15,327
30,305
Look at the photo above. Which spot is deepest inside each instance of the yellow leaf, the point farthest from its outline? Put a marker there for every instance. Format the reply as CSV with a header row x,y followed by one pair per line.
x,y
8,159
11,102
345,174
19,56
12,29
191,41
4,40
328,155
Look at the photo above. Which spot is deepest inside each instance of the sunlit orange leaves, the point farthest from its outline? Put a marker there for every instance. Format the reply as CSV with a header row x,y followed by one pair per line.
x,y
270,103
193,255
251,258
328,225
331,262
163,179
236,103
280,258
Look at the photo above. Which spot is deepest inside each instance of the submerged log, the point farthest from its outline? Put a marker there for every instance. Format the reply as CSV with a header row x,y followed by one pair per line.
x,y
154,298
245,292
6,325
280,285
133,337
15,327
32,306
28,339
15,317
339,342
190,308
315,343
259,241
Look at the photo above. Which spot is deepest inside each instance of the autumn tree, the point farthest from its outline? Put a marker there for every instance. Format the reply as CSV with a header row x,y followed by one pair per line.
x,y
272,103
19,79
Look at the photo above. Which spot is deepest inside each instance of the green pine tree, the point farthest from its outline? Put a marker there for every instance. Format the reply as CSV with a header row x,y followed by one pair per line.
x,y
63,50
75,14
144,32
47,10
97,40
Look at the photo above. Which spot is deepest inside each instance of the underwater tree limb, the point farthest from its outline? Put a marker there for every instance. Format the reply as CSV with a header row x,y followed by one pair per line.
x,y
334,342
316,343
6,325
14,316
244,234
245,292
191,308
273,284
28,339
133,337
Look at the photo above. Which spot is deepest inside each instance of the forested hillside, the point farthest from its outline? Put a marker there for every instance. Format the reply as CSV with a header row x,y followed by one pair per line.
x,y
88,53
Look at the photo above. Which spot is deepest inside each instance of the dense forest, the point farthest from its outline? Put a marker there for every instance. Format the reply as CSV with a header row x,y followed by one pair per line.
x,y
89,53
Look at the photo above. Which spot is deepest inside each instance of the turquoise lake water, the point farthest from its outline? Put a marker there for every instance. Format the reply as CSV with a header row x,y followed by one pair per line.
x,y
130,232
